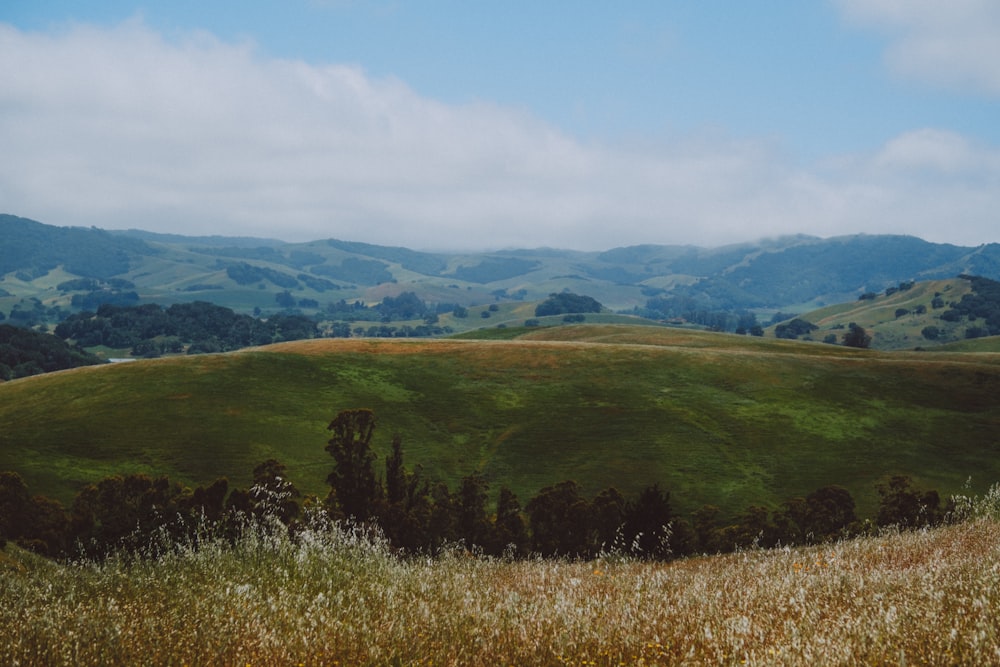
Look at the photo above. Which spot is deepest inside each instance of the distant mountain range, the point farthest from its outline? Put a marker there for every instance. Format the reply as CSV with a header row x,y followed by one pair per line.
x,y
45,266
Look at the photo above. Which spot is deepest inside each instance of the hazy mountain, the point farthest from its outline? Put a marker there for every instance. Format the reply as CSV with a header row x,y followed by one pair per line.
x,y
47,263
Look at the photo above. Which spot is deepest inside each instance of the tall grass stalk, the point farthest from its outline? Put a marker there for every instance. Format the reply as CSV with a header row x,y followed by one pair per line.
x,y
337,597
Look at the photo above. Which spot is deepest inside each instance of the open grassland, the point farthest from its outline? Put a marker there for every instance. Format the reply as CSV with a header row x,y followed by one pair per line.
x,y
989,344
330,598
714,418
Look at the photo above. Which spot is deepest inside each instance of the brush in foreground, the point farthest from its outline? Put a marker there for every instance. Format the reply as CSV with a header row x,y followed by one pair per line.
x,y
332,597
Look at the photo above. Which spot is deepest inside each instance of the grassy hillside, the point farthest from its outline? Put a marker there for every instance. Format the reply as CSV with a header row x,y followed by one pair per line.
x,y
712,417
897,320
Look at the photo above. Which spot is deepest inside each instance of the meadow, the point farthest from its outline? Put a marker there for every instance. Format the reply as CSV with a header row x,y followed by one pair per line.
x,y
334,597
713,418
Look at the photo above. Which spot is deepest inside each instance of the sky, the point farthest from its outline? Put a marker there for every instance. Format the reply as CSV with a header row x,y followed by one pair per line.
x,y
469,125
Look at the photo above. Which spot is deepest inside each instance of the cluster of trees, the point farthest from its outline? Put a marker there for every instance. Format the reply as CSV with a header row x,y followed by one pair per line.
x,y
419,515
794,328
140,514
889,291
698,311
92,292
493,269
855,336
354,270
982,304
567,303
246,274
405,307
197,327
200,327
243,273
25,352
32,312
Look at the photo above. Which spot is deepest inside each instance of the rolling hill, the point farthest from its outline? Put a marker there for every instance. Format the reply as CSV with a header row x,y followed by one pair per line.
x,y
926,315
45,267
714,418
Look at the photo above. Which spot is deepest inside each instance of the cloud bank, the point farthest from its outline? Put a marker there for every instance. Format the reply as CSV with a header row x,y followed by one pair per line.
x,y
120,127
955,44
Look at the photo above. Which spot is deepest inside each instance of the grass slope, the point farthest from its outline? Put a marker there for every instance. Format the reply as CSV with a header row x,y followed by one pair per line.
x,y
712,417
892,332
922,598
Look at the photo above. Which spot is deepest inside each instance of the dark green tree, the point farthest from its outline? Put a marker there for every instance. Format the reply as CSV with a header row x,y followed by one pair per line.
x,y
607,515
396,481
830,513
207,502
647,523
795,328
473,523
124,514
33,522
825,514
48,534
707,537
405,511
904,506
856,336
442,523
15,505
559,518
567,302
510,534
354,489
791,521
751,529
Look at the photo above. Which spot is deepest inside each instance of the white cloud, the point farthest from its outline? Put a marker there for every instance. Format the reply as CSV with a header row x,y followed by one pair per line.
x,y
954,43
121,128
937,151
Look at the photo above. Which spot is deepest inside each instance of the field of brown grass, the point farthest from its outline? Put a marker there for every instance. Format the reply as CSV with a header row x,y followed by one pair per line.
x,y
331,598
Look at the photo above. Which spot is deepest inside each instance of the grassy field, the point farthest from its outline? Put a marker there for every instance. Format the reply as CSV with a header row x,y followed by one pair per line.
x,y
923,598
712,417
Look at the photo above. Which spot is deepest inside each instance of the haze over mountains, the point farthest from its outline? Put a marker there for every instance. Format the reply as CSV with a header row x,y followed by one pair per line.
x,y
795,273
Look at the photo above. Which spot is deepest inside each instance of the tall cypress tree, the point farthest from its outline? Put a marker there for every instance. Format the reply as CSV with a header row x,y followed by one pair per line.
x,y
354,487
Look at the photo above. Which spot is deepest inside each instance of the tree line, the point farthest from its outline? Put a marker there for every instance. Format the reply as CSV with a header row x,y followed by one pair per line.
x,y
982,305
24,352
140,514
195,327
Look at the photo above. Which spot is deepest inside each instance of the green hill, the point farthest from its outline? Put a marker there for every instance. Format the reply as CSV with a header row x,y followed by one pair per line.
x,y
924,314
47,271
714,418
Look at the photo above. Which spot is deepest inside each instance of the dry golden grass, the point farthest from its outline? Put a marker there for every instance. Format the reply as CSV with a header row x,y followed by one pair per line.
x,y
331,598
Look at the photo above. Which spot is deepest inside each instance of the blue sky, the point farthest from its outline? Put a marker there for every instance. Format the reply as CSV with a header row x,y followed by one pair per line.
x,y
454,125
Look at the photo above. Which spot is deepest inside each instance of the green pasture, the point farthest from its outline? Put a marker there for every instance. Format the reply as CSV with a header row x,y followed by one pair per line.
x,y
714,418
